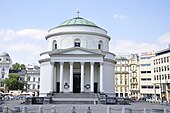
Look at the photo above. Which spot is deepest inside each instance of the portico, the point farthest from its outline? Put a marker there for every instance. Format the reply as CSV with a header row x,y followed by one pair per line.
x,y
68,84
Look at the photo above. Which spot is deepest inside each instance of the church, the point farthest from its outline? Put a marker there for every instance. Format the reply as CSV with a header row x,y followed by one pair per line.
x,y
77,59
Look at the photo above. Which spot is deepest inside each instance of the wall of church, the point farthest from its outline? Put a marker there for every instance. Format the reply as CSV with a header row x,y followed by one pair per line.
x,y
45,72
108,78
86,41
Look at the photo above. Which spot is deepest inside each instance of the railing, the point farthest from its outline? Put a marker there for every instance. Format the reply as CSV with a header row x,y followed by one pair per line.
x,y
129,110
53,109
37,110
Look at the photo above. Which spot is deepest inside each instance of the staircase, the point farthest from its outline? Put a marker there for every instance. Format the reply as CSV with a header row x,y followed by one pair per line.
x,y
75,98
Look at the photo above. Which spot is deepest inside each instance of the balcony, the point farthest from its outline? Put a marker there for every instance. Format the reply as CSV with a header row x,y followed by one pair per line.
x,y
134,83
121,72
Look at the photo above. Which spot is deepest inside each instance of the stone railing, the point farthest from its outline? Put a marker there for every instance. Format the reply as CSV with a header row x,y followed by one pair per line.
x,y
110,109
129,110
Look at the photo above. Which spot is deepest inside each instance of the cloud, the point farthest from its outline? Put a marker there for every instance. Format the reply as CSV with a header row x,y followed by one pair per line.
x,y
26,47
31,33
7,34
23,45
165,39
117,16
10,34
128,46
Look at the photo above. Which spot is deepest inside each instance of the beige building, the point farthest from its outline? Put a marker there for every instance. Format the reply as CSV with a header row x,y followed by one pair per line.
x,y
127,76
134,76
121,76
161,73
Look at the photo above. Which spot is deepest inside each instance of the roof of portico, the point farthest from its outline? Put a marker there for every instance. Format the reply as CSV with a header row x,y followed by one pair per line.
x,y
62,51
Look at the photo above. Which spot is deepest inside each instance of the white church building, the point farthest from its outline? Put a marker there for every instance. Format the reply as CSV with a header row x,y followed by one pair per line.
x,y
77,60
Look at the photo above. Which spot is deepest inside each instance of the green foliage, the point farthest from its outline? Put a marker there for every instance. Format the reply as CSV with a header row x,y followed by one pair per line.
x,y
13,82
18,66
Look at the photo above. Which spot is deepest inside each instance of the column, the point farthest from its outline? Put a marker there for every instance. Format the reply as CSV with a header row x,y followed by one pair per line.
x,y
54,84
52,77
61,76
92,77
82,76
71,76
101,77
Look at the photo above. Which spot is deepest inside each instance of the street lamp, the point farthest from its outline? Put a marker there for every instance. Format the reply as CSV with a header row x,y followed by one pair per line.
x,y
160,88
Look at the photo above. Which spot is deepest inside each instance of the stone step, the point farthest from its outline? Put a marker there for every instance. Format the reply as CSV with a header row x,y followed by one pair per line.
x,y
75,95
74,101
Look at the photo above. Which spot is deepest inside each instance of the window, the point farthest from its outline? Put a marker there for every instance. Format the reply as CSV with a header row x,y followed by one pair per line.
x,y
145,64
3,76
28,86
33,87
54,44
164,59
77,43
38,87
167,59
100,45
33,78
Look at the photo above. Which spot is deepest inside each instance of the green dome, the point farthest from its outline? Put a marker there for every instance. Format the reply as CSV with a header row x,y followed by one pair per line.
x,y
77,21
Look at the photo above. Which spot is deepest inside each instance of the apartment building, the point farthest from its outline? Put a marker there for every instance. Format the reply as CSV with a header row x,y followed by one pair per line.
x,y
5,65
161,73
127,76
147,88
33,79
122,76
134,76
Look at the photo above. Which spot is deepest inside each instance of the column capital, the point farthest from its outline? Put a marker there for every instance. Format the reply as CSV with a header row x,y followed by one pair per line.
x,y
82,63
71,63
101,63
92,63
61,63
52,63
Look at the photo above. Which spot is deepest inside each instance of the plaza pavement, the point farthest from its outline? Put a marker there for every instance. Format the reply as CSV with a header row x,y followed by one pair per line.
x,y
136,107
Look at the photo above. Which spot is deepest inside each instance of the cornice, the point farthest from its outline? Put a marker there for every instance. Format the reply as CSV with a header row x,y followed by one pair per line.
x,y
44,60
76,32
110,60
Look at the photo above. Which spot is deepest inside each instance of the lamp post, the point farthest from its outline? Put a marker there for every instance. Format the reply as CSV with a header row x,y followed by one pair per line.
x,y
160,89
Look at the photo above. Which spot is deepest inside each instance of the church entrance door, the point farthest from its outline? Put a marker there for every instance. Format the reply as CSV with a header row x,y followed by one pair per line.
x,y
76,83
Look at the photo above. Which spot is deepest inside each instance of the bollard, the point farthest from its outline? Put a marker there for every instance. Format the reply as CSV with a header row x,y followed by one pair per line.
x,y
126,110
53,110
40,110
157,111
5,110
88,110
24,109
108,109
165,110
145,110
123,110
73,110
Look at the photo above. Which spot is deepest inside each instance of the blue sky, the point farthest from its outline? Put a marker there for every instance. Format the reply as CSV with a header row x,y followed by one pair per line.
x,y
134,25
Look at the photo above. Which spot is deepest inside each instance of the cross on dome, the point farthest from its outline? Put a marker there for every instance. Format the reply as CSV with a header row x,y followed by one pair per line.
x,y
78,12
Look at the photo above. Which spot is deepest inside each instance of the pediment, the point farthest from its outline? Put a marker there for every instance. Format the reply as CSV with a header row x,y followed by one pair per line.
x,y
79,51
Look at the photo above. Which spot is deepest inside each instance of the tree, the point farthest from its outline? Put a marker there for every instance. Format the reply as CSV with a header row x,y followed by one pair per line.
x,y
13,82
18,66
22,66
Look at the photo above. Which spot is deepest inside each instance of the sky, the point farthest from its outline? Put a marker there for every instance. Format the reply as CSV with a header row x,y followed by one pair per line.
x,y
134,26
